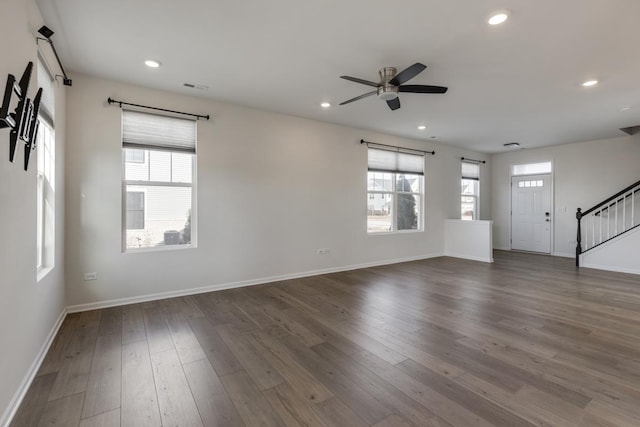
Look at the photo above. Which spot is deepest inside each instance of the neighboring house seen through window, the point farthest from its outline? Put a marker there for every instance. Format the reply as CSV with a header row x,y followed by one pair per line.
x,y
135,210
395,189
159,157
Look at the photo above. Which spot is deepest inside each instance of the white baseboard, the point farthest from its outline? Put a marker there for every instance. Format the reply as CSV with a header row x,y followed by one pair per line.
x,y
184,292
469,257
11,410
610,268
564,254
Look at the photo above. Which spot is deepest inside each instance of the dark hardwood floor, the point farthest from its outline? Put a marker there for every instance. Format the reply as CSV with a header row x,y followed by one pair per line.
x,y
528,340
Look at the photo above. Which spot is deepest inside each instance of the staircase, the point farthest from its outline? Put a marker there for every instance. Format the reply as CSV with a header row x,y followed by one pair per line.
x,y
607,220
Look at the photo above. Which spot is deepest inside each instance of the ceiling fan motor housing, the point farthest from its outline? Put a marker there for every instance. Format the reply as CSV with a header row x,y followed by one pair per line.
x,y
387,91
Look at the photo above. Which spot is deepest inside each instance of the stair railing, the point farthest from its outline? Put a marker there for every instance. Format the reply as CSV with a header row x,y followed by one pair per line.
x,y
607,220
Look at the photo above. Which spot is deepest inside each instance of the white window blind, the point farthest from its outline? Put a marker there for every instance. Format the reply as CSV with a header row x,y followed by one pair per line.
x,y
470,171
156,132
47,83
395,162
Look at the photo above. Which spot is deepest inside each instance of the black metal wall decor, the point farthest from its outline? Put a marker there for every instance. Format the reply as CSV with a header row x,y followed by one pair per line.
x,y
23,120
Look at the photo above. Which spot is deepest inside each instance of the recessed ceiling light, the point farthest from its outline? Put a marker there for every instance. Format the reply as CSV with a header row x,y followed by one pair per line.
x,y
422,127
151,63
498,18
589,83
325,105
627,108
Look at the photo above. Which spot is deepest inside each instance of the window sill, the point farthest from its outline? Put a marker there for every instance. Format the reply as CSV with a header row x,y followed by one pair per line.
x,y
387,233
159,249
42,273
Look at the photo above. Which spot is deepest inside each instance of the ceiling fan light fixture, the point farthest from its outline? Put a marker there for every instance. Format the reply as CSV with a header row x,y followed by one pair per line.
x,y
498,17
387,96
387,93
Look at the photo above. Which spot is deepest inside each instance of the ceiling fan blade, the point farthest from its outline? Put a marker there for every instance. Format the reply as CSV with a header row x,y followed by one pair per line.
x,y
408,74
361,81
423,89
394,103
364,95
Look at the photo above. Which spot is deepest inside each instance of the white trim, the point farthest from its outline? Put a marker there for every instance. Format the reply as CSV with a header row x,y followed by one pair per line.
x,y
469,257
180,247
11,410
564,254
240,284
609,268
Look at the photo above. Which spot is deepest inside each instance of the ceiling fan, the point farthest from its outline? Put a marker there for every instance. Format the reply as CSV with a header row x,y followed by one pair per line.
x,y
392,82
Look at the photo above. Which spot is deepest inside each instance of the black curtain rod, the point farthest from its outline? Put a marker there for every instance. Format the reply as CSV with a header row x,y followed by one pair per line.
x,y
472,160
121,103
362,141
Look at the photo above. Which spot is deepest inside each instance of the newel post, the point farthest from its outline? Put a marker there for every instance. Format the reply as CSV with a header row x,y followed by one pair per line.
x,y
578,238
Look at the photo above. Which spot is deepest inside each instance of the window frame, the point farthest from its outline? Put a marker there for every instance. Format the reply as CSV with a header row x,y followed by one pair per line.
x,y
394,193
45,185
475,196
45,192
147,149
126,183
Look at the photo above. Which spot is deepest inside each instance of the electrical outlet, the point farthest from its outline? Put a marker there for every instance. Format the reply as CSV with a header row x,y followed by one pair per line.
x,y
323,251
90,276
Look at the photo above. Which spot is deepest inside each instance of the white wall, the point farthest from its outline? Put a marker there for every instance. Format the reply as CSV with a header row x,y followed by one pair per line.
x,y
584,174
29,309
621,255
469,240
272,189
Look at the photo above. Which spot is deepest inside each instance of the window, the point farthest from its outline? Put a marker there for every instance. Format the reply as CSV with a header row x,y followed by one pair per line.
x,y
534,183
159,155
470,190
45,173
394,185
134,156
135,210
531,169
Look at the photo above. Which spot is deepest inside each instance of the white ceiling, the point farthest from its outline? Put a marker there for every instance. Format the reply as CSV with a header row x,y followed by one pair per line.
x,y
516,82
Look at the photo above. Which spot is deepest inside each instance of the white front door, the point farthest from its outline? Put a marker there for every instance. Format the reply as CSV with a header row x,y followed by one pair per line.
x,y
531,213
